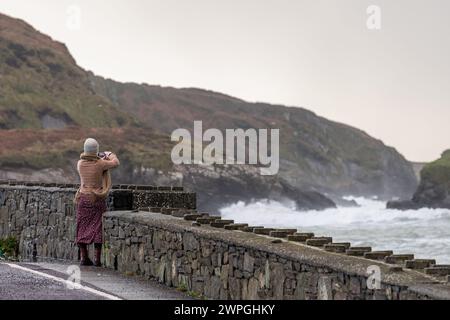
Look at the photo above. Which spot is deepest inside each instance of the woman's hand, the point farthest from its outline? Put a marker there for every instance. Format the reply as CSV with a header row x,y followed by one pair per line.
x,y
107,154
111,160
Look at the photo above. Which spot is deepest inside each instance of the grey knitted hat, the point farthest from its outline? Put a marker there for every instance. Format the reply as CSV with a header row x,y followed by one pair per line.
x,y
91,146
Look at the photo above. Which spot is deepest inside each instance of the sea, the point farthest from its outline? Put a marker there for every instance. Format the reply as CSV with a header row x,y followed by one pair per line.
x,y
423,232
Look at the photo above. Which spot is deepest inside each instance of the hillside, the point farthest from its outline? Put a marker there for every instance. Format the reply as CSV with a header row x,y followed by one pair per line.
x,y
438,172
48,105
42,87
434,188
316,153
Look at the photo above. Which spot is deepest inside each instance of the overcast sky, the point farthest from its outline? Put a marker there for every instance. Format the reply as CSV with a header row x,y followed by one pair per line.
x,y
394,83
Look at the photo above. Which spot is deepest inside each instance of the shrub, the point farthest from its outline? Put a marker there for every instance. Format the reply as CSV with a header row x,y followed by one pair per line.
x,y
438,172
9,247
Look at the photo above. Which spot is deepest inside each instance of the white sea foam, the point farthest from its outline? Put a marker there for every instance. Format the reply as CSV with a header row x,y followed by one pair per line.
x,y
424,232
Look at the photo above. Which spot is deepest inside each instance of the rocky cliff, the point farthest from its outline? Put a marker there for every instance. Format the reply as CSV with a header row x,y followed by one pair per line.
x,y
434,187
316,153
48,105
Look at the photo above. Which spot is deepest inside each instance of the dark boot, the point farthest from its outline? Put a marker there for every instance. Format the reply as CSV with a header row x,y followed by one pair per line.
x,y
98,254
84,258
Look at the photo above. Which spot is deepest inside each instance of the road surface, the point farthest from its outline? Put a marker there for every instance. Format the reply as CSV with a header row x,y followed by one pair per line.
x,y
53,281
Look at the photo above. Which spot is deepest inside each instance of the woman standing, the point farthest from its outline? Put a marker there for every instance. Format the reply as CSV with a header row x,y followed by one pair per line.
x,y
90,200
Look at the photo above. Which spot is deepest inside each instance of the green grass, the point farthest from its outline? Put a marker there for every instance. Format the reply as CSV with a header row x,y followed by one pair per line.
x,y
9,247
183,288
37,83
438,172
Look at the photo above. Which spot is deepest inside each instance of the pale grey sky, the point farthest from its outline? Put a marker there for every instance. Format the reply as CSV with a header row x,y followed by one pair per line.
x,y
394,83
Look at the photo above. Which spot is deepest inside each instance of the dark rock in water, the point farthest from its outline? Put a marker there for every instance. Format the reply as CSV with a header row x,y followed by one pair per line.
x,y
403,205
313,200
346,203
412,205
307,200
434,187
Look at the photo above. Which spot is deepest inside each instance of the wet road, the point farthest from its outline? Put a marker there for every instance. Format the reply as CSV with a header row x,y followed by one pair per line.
x,y
49,281
17,284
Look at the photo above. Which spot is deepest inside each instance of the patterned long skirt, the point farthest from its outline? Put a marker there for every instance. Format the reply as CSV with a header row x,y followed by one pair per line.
x,y
89,220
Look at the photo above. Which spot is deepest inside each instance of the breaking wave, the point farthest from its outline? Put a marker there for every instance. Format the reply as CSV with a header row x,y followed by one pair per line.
x,y
424,232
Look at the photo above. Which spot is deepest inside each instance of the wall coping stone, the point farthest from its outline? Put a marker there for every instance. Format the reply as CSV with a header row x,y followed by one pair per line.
x,y
65,187
37,188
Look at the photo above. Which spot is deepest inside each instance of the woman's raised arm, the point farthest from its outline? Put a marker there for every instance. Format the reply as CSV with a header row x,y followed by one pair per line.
x,y
110,161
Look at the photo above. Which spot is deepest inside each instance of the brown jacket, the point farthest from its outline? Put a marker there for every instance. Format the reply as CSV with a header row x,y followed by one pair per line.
x,y
91,173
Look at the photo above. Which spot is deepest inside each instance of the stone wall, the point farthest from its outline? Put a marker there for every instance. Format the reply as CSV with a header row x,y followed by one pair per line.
x,y
226,264
201,253
42,216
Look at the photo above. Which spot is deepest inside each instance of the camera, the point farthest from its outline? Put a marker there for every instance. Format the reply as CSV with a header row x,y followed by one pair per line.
x,y
102,155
